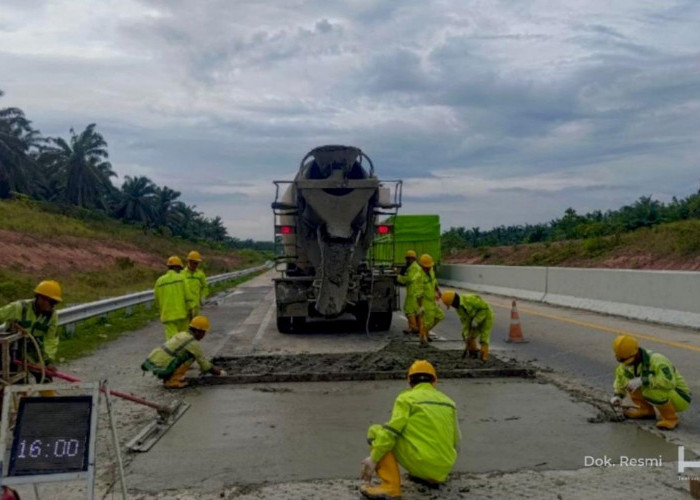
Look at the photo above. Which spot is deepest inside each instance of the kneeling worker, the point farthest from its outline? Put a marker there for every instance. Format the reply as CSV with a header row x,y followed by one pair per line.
x,y
651,381
476,317
171,361
422,436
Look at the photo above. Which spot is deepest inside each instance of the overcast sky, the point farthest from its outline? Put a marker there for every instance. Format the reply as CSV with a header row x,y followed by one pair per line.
x,y
493,112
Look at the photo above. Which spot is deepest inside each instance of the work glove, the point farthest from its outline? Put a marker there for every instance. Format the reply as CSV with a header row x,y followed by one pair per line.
x,y
634,384
368,469
616,401
484,352
222,373
475,324
421,311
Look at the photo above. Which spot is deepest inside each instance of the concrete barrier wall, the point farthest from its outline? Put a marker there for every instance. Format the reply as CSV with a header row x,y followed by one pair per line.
x,y
671,297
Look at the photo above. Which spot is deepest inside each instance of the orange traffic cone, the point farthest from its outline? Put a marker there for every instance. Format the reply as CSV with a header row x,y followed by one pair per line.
x,y
515,333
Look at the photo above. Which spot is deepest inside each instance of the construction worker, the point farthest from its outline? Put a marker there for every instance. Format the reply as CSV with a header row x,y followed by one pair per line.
x,y
651,382
413,279
422,436
173,298
37,317
171,361
196,280
432,314
476,317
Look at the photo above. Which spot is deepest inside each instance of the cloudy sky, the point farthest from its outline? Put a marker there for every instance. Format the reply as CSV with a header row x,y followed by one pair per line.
x,y
493,112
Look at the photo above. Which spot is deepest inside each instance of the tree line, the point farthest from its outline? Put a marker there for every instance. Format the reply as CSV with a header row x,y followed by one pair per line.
x,y
77,172
645,212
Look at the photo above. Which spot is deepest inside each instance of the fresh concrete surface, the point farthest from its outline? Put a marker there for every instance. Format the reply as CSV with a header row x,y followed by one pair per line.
x,y
241,435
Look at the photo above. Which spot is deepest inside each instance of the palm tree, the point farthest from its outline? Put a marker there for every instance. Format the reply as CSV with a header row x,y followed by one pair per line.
x,y
17,138
165,203
84,165
138,195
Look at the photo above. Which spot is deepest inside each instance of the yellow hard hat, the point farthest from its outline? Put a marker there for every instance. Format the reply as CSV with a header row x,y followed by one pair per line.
x,y
411,254
50,289
195,256
422,366
625,348
448,296
174,260
426,260
200,323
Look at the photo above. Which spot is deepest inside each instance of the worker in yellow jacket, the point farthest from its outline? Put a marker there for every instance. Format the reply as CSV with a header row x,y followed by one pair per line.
x,y
171,361
173,298
476,317
38,317
651,382
422,436
196,280
412,278
432,313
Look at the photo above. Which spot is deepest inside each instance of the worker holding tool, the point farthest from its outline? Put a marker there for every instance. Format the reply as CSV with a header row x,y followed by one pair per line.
x,y
422,436
173,298
432,314
171,361
476,317
651,382
37,318
413,279
196,280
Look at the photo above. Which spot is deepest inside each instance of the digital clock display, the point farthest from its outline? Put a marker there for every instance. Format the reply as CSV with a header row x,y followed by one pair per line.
x,y
51,436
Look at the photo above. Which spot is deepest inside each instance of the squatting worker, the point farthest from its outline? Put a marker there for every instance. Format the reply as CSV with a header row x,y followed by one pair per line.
x,y
422,436
476,317
432,313
173,298
651,382
196,280
171,361
37,317
412,277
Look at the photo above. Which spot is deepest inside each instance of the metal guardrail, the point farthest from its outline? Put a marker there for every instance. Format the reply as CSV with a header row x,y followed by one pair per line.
x,y
75,314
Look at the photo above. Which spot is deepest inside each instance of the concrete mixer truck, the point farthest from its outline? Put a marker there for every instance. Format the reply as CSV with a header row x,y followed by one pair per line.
x,y
326,220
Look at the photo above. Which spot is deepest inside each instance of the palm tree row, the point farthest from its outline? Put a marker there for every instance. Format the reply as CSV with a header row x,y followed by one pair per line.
x,y
77,172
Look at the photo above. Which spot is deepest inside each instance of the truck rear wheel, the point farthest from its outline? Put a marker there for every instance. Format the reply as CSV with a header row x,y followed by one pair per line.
x,y
381,321
284,324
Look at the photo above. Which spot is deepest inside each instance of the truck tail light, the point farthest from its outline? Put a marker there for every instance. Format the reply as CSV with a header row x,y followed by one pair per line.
x,y
285,230
384,229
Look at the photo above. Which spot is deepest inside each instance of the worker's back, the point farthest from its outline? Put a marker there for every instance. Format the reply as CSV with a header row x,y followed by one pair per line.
x,y
431,433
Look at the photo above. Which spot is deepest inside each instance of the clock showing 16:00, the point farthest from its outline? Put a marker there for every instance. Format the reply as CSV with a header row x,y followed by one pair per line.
x,y
51,436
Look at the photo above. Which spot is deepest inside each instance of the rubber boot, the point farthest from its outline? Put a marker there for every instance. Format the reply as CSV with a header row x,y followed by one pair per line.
x,y
423,334
643,410
177,379
388,474
669,417
472,348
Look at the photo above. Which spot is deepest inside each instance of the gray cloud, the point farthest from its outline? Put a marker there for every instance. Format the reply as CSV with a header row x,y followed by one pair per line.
x,y
597,101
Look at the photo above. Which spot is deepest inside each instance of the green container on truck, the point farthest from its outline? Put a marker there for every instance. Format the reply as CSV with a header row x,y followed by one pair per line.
x,y
420,233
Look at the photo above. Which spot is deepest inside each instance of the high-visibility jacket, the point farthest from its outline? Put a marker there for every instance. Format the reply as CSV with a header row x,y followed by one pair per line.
x,y
413,279
423,433
178,349
661,381
433,313
173,297
197,283
43,328
476,317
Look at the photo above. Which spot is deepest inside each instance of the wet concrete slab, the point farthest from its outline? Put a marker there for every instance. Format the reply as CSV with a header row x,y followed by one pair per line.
x,y
291,432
